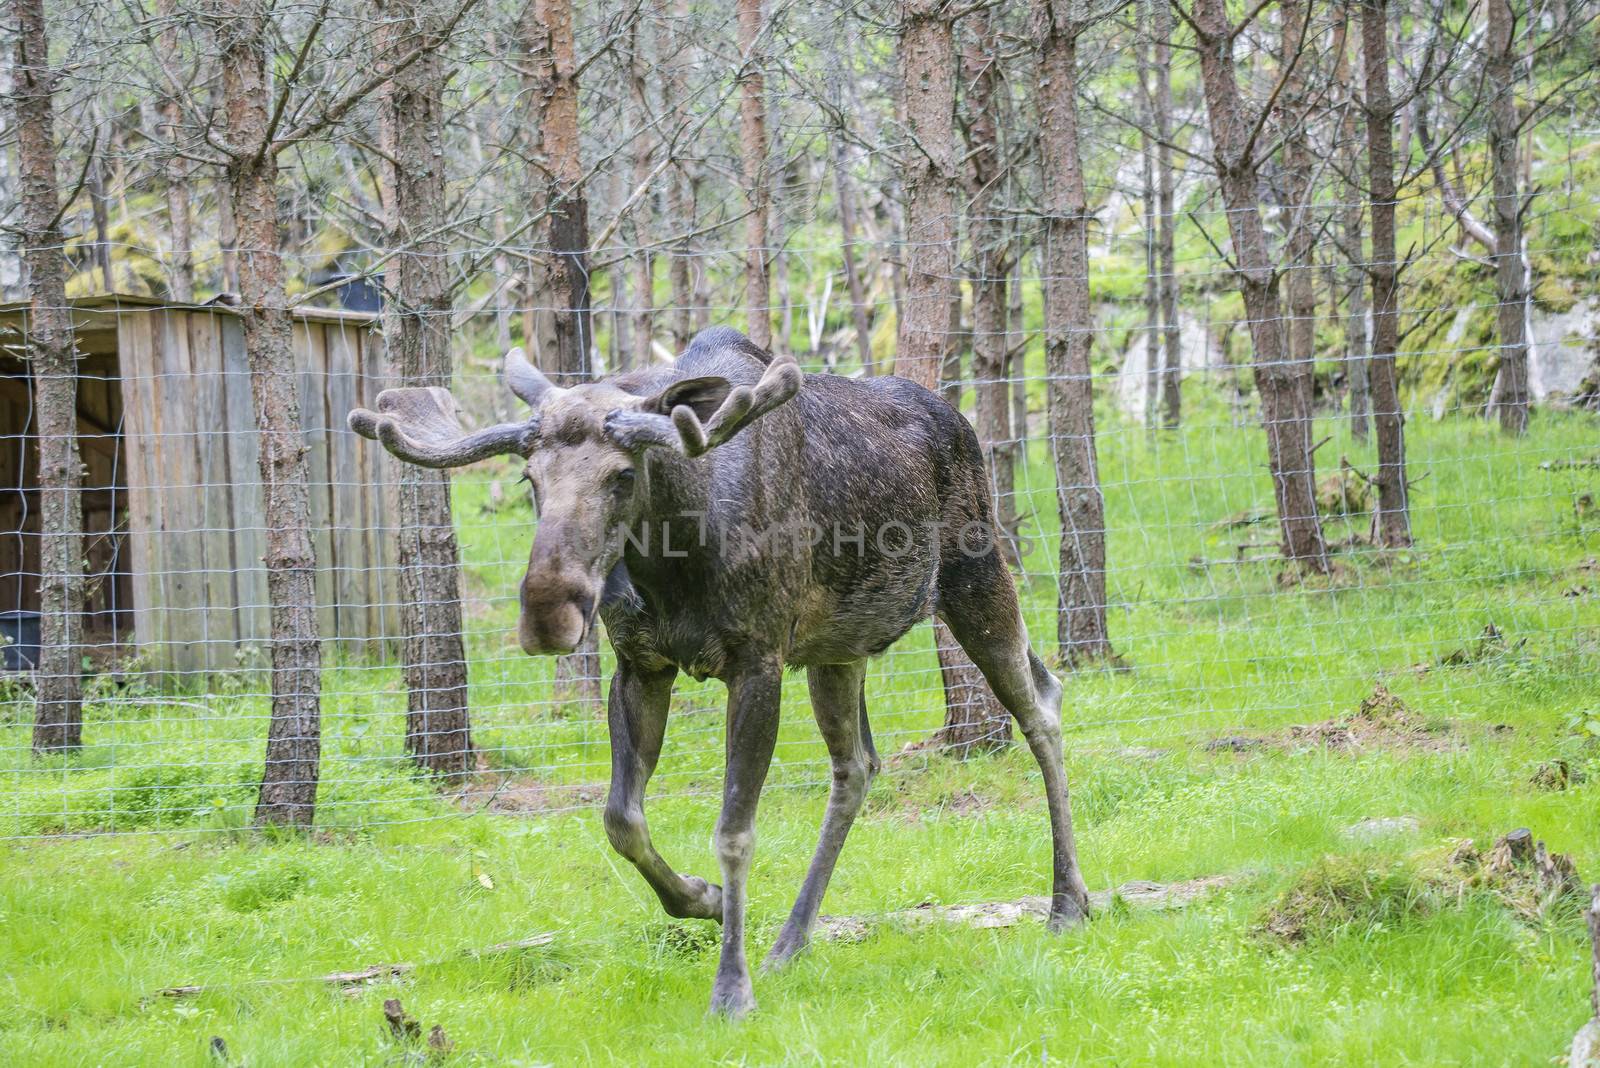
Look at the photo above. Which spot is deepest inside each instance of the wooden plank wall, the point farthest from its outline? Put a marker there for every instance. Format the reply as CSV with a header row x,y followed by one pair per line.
x,y
195,491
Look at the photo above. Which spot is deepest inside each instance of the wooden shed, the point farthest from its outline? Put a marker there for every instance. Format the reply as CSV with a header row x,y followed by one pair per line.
x,y
173,511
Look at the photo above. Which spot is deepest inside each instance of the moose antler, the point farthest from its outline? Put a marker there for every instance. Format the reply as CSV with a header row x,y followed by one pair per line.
x,y
683,429
420,426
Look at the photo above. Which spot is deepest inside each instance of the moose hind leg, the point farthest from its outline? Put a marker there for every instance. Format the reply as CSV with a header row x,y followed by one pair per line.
x,y
753,698
838,703
637,715
979,603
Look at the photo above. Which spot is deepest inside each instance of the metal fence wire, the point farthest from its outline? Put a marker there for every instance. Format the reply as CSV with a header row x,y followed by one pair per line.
x,y
175,623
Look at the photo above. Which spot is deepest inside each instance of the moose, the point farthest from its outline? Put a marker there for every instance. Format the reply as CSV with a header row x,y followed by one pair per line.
x,y
658,492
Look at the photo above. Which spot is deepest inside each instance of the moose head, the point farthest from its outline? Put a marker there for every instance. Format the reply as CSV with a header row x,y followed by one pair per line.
x,y
585,449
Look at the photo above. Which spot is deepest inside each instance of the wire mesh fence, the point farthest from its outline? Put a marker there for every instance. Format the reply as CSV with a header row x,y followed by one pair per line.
x,y
1210,642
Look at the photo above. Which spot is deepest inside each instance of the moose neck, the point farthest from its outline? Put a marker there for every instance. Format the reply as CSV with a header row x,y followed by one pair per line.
x,y
700,515
673,531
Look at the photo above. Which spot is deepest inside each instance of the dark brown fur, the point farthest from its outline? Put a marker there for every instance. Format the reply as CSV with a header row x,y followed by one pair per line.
x,y
710,564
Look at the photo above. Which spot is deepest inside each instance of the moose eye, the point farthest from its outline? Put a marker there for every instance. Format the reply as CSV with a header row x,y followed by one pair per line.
x,y
622,482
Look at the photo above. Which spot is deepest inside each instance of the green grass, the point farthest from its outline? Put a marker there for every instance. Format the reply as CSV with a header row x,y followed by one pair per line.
x,y
92,925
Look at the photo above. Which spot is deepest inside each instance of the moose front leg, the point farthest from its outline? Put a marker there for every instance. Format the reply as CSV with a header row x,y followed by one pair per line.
x,y
637,713
753,698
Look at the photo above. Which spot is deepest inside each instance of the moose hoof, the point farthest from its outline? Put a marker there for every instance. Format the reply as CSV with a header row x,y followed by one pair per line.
x,y
732,1000
783,950
1065,913
700,901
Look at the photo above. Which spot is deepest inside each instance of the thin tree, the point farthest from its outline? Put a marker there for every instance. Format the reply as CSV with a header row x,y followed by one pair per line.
x,y
417,328
1294,56
560,274
927,76
1284,411
58,709
175,173
845,193
1391,522
560,283
1512,276
1166,217
289,782
1147,212
1081,625
980,722
927,79
681,211
753,158
1357,343
639,40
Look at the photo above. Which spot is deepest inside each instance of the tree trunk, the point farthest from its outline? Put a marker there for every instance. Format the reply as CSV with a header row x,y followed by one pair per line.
x,y
1166,221
227,239
562,282
58,710
955,344
95,186
289,783
753,153
927,72
1357,343
680,205
927,47
844,191
1510,397
1391,522
1081,618
175,175
417,328
1295,53
642,259
1284,411
991,262
561,275
1017,375
1147,212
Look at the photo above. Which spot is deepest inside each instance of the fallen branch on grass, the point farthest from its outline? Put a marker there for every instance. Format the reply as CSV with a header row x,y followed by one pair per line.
x,y
1577,464
364,976
1138,894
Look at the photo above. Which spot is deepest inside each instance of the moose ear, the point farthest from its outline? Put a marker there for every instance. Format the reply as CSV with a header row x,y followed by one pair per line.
x,y
703,396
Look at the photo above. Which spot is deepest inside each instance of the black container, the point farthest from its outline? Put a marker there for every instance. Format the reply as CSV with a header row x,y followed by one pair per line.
x,y
21,633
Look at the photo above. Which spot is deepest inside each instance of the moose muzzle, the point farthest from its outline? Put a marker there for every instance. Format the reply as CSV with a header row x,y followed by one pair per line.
x,y
556,614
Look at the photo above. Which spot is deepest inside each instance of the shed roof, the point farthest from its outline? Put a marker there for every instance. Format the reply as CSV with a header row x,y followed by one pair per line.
x,y
115,302
95,318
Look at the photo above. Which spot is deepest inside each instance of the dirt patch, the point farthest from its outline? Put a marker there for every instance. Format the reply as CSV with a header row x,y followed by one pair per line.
x,y
1584,574
1555,775
968,803
507,794
1382,721
1136,894
1489,645
1337,893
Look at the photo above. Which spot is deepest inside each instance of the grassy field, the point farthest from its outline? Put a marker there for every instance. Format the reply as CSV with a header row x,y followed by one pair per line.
x,y
1396,969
